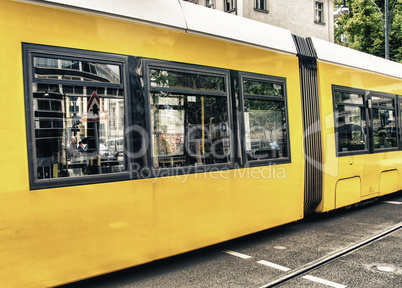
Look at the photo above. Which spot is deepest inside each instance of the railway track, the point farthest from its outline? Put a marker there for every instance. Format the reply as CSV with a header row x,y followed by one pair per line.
x,y
311,266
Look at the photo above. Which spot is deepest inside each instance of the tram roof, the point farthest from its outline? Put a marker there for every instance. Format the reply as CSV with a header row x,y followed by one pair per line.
x,y
210,22
337,54
187,17
196,19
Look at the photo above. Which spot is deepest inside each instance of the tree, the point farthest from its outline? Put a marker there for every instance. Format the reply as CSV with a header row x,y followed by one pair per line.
x,y
364,30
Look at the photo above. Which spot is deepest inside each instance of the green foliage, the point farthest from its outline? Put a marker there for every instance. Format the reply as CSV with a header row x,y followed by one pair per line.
x,y
364,29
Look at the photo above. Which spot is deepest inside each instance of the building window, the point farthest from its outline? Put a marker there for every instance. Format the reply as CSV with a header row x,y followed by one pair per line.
x,y
261,5
189,117
230,5
319,12
265,119
76,111
210,4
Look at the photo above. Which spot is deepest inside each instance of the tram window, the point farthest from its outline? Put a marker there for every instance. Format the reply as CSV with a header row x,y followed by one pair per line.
x,y
59,68
76,111
384,122
265,124
185,80
351,128
400,120
349,98
350,121
189,117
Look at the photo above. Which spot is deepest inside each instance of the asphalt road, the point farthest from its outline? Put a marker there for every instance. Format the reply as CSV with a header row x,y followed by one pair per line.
x,y
260,259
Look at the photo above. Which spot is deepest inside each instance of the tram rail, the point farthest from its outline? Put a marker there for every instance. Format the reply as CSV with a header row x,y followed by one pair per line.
x,y
311,266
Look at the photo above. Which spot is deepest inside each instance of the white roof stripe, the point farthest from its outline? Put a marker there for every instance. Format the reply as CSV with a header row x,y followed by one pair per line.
x,y
338,54
186,16
203,20
197,19
160,12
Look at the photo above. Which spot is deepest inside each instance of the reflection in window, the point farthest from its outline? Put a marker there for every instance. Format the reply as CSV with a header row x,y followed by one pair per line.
x,y
384,123
262,88
349,98
383,102
265,129
350,121
78,129
188,129
351,128
264,120
183,80
76,70
400,121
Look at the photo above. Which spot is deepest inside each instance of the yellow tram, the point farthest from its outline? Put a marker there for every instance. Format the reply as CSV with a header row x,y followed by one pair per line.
x,y
131,135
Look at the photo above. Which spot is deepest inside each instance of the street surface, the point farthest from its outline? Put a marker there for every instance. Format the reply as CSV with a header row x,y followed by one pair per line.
x,y
257,260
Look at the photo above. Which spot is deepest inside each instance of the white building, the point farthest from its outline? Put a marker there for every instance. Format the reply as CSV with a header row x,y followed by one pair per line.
x,y
302,17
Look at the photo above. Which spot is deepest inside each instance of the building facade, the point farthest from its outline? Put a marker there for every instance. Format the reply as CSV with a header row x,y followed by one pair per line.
x,y
306,18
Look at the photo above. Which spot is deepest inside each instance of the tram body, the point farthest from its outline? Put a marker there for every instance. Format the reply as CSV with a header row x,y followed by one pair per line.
x,y
62,220
372,170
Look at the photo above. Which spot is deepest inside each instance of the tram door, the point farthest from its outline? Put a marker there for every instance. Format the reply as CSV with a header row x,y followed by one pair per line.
x,y
383,120
370,168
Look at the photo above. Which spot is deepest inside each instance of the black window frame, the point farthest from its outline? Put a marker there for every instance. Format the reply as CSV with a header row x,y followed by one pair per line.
x,y
271,79
372,106
364,105
398,101
135,77
29,51
368,110
149,64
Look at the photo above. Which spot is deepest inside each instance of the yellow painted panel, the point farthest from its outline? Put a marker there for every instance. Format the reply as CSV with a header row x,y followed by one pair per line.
x,y
331,74
223,205
57,235
389,182
347,192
